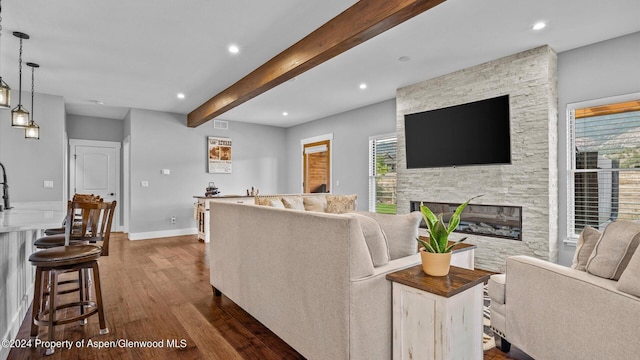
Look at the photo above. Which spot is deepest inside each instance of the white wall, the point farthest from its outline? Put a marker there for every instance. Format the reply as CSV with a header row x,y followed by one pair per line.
x,y
350,154
30,162
600,70
163,141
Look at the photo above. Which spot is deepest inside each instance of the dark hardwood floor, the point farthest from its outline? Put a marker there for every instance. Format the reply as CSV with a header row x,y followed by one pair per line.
x,y
158,291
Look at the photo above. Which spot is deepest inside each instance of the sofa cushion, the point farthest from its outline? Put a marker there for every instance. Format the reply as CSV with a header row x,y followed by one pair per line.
x,y
586,243
615,248
315,203
375,238
340,204
293,202
496,288
401,232
629,280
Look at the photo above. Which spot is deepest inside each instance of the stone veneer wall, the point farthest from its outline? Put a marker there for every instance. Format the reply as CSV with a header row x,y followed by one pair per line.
x,y
531,181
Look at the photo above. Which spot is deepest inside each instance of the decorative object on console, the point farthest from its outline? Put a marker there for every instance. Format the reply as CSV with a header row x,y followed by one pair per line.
x,y
211,190
20,115
436,252
5,90
33,130
253,192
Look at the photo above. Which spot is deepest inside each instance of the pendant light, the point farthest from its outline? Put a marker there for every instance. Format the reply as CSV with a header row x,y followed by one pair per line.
x,y
5,90
20,115
33,130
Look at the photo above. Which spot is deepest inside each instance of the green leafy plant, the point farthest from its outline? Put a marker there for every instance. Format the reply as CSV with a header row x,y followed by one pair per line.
x,y
439,231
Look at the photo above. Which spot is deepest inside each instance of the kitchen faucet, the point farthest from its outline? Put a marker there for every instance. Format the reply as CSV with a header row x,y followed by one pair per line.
x,y
5,188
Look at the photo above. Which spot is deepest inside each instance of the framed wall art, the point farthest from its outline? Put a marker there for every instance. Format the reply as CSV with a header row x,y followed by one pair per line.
x,y
219,155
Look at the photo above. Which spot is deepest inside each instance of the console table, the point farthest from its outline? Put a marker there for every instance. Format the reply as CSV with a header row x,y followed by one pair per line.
x,y
437,317
201,211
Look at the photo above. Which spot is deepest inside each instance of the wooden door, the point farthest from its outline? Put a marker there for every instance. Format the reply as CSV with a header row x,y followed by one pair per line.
x,y
317,167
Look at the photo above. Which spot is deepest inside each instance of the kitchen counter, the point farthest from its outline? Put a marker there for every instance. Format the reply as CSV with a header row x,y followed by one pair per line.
x,y
32,216
19,228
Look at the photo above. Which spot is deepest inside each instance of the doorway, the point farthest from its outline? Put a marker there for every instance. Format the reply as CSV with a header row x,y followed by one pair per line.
x,y
316,165
94,168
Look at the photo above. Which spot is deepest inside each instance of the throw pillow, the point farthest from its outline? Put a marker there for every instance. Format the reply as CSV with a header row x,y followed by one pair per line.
x,y
293,202
375,239
340,204
276,203
401,232
615,248
263,200
586,243
315,203
629,282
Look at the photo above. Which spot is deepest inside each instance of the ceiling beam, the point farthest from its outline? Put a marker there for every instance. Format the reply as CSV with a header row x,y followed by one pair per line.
x,y
359,23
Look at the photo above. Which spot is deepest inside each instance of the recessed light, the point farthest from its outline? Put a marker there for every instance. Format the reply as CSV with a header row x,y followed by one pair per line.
x,y
539,26
363,86
234,49
285,113
180,96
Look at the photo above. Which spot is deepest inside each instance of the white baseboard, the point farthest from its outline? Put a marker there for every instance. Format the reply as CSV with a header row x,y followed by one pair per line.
x,y
162,234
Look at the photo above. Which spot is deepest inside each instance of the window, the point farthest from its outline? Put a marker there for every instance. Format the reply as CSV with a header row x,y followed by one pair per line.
x,y
382,174
604,146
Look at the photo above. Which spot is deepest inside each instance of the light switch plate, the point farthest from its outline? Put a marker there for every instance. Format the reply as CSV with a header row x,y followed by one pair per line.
x,y
48,184
166,172
144,183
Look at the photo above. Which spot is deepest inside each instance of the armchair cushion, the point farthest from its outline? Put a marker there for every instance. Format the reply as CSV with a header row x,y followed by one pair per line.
x,y
586,243
629,282
615,248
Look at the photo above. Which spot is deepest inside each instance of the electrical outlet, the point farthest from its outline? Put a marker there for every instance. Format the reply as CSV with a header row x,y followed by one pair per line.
x,y
173,219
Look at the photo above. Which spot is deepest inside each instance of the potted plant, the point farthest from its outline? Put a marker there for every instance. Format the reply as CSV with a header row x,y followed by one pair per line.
x,y
436,251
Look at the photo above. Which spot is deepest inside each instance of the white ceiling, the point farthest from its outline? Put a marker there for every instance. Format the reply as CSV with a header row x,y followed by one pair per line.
x,y
141,53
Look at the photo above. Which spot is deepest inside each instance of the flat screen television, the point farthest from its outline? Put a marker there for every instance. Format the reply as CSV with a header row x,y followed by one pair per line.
x,y
475,133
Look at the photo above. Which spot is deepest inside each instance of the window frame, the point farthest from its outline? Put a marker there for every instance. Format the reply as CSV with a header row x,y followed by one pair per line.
x,y
571,236
372,166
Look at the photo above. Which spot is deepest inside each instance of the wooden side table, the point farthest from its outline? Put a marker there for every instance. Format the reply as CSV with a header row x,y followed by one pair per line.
x,y
437,317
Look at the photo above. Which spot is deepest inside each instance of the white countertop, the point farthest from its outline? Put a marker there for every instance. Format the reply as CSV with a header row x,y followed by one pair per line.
x,y
32,215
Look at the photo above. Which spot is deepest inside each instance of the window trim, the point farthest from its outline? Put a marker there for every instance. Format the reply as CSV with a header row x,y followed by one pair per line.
x,y
372,166
570,237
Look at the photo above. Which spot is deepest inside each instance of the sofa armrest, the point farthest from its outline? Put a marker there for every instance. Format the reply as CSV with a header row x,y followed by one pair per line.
x,y
554,312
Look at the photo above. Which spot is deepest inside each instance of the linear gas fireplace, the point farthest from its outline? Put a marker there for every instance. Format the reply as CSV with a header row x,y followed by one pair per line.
x,y
485,220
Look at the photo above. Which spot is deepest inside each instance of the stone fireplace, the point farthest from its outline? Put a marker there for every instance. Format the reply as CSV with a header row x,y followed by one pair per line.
x,y
528,186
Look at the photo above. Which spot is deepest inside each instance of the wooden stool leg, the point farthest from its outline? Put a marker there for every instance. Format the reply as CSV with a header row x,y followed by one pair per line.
x,y
96,281
37,299
53,282
82,281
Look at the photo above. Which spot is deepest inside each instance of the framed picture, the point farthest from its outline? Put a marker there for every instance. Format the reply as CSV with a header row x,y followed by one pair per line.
x,y
219,155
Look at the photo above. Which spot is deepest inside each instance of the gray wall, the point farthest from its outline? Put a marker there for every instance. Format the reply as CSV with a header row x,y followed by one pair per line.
x,y
600,70
350,153
30,162
94,128
163,141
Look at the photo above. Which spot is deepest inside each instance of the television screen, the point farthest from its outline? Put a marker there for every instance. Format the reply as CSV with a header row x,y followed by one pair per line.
x,y
475,133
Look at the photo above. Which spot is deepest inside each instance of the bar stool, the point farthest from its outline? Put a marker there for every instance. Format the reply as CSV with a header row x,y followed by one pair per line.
x,y
82,257
76,197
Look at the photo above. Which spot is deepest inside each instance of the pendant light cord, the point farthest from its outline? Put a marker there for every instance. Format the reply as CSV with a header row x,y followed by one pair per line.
x,y
20,72
33,69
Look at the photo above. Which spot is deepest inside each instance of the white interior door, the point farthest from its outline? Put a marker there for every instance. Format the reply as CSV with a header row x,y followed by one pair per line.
x,y
95,169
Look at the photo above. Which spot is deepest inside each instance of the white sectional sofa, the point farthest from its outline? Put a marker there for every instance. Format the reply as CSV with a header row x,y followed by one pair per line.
x,y
310,276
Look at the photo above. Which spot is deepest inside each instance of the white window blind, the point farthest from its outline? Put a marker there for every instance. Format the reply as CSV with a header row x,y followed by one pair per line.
x,y
382,173
605,166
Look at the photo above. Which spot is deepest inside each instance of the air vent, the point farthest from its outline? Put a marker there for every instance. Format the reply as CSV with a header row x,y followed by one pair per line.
x,y
221,124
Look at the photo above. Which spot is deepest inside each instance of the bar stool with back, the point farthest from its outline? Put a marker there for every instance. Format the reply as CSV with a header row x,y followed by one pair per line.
x,y
53,261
